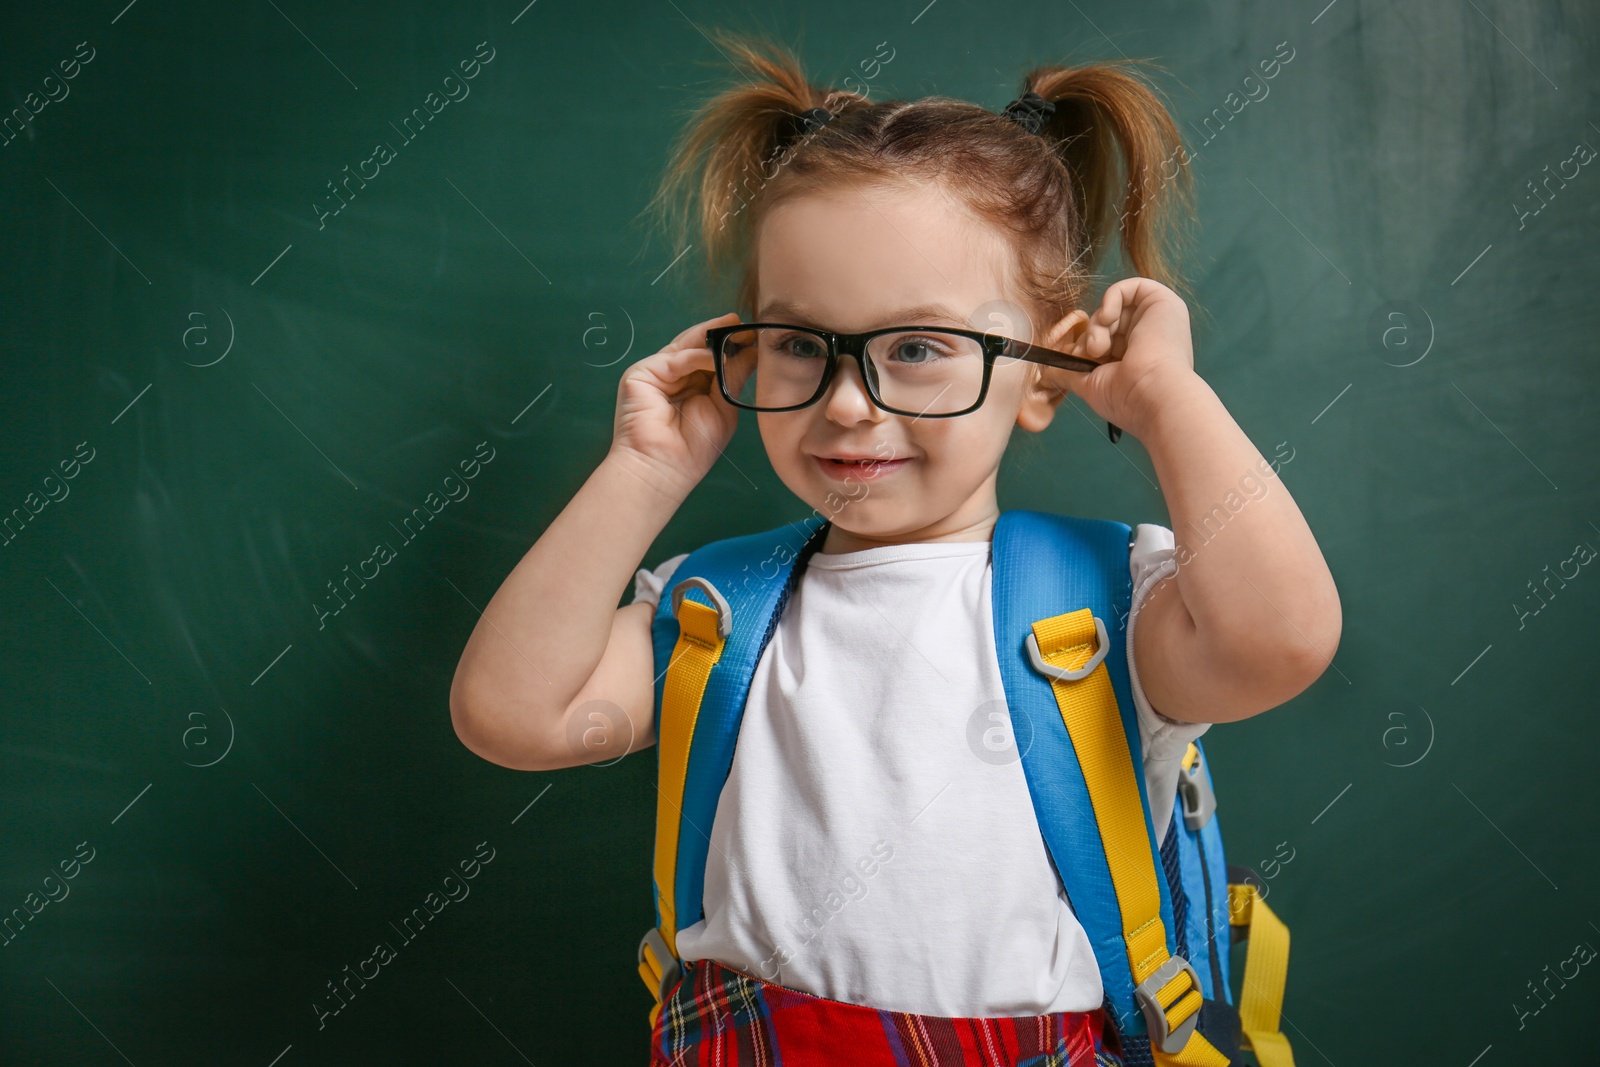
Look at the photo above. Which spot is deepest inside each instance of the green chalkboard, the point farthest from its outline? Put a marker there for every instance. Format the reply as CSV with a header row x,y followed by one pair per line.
x,y
234,375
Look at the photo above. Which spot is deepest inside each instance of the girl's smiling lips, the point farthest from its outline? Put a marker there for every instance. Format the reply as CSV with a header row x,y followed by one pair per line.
x,y
843,466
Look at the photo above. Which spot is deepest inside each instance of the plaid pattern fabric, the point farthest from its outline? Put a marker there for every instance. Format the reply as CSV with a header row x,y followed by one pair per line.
x,y
719,1017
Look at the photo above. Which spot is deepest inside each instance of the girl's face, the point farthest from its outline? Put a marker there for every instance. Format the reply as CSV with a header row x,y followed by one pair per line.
x,y
866,257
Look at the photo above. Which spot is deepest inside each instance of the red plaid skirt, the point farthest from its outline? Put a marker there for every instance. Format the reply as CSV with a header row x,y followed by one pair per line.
x,y
719,1017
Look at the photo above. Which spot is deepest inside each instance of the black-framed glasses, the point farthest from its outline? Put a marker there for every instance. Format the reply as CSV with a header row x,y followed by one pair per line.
x,y
930,372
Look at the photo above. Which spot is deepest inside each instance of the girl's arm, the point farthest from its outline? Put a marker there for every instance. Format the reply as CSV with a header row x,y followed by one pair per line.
x,y
555,674
1251,617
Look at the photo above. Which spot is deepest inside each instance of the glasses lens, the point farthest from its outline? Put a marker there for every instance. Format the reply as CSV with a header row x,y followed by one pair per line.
x,y
926,371
771,367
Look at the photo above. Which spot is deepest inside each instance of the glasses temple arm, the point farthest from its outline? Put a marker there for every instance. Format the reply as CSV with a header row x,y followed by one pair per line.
x,y
1049,357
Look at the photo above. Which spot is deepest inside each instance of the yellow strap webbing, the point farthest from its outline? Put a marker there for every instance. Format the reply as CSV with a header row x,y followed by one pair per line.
x,y
1089,709
1266,968
699,647
650,971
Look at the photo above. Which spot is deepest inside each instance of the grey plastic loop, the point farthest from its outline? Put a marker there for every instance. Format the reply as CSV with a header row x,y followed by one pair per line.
x,y
1076,674
671,969
1195,792
1162,1035
724,613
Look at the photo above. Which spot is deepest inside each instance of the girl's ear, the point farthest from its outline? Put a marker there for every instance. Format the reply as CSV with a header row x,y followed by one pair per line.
x,y
1046,389
1048,386
1068,334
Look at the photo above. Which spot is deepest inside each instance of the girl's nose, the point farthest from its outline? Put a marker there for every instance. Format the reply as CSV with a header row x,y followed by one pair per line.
x,y
846,400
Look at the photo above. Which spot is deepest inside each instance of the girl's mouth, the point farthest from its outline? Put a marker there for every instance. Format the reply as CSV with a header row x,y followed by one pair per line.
x,y
860,470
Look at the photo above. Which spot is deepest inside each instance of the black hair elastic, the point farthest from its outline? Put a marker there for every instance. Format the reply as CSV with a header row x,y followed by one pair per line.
x,y
807,122
1030,111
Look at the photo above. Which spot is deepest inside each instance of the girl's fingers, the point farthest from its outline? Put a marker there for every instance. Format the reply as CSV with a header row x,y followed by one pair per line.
x,y
695,336
675,366
1109,319
678,369
1110,309
1099,341
693,357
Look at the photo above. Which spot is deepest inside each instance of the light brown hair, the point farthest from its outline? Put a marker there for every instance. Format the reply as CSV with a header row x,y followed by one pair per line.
x,y
1109,160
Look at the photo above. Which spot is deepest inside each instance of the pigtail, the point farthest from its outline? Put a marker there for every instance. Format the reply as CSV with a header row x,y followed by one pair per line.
x,y
734,144
1130,172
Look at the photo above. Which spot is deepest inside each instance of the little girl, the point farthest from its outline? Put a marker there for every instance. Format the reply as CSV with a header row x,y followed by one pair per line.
x,y
855,776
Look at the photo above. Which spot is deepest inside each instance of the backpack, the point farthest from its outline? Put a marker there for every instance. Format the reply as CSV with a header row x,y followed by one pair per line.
x,y
1155,909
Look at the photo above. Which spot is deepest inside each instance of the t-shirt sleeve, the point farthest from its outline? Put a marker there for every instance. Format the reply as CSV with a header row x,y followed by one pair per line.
x,y
648,584
1164,740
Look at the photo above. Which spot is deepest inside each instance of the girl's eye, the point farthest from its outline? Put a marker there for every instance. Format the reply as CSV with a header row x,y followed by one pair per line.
x,y
919,350
801,346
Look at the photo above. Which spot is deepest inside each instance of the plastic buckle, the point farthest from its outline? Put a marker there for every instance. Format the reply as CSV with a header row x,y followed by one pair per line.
x,y
1194,790
1155,1016
724,612
671,969
1076,674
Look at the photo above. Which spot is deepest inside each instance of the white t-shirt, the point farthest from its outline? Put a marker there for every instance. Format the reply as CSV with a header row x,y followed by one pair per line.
x,y
875,842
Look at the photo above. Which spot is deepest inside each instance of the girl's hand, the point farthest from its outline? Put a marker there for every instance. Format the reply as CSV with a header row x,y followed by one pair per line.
x,y
670,415
1140,333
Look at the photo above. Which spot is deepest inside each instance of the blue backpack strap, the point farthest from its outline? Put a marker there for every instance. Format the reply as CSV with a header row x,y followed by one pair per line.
x,y
1062,649
755,575
1045,565
1202,881
1203,874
